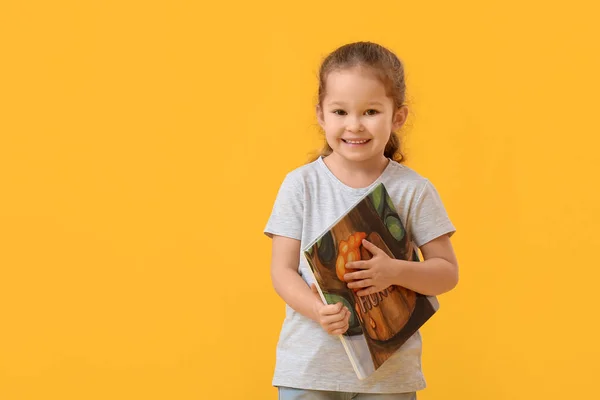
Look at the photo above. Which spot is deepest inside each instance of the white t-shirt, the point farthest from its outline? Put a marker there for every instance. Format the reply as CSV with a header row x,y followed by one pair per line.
x,y
309,200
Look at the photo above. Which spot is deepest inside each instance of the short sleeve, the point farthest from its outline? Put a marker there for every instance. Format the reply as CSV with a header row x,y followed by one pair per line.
x,y
288,210
428,219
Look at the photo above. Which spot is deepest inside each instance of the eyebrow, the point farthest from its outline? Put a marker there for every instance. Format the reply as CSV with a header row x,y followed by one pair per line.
x,y
342,104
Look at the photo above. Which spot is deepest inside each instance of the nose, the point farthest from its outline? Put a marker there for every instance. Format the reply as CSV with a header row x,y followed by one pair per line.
x,y
354,124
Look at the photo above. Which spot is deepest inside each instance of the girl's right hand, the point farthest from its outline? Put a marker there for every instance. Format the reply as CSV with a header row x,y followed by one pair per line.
x,y
333,318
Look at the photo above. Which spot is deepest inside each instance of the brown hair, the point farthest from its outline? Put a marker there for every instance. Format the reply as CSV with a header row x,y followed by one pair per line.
x,y
387,67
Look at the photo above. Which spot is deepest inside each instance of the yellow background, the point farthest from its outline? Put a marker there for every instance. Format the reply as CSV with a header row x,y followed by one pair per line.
x,y
142,144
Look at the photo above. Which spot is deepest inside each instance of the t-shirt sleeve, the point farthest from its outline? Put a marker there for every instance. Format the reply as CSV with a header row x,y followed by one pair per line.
x,y
288,210
428,219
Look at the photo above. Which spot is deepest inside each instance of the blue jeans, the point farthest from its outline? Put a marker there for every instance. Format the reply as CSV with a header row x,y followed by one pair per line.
x,y
286,393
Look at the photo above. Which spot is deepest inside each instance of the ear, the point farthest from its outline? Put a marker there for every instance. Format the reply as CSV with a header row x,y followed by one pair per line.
x,y
399,118
320,116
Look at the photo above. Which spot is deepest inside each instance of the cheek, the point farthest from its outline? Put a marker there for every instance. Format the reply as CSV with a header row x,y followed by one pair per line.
x,y
380,125
333,125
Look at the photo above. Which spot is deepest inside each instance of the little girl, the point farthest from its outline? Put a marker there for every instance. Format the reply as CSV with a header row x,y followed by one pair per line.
x,y
361,105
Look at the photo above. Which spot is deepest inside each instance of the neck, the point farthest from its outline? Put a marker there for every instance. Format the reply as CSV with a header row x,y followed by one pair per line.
x,y
370,166
356,174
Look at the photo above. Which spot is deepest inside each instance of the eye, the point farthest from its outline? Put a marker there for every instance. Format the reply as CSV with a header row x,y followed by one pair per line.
x,y
339,112
372,112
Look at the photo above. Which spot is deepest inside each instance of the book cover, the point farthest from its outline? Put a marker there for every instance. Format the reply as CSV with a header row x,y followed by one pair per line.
x,y
379,323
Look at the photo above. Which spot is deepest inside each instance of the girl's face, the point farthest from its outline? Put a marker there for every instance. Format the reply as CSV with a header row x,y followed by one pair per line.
x,y
357,115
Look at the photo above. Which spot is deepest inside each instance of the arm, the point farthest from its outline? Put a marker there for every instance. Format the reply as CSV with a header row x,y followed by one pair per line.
x,y
290,286
287,282
437,274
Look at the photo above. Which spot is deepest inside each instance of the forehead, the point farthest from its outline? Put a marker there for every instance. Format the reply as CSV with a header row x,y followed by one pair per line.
x,y
354,84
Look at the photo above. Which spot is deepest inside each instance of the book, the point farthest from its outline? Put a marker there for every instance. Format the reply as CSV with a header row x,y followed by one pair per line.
x,y
379,323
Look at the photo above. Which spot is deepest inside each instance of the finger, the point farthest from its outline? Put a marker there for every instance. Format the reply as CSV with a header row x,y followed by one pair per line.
x,y
358,265
330,319
332,309
338,326
371,247
363,283
353,276
341,331
346,326
338,331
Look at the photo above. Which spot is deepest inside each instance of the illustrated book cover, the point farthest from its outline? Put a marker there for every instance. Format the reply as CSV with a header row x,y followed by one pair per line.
x,y
379,323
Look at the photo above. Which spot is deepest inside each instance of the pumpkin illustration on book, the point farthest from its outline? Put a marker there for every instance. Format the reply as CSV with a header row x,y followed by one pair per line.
x,y
348,251
323,262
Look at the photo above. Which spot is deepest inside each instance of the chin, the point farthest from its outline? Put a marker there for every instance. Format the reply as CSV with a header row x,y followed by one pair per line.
x,y
357,156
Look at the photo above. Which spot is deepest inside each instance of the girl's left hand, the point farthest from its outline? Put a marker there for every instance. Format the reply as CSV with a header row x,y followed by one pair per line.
x,y
373,275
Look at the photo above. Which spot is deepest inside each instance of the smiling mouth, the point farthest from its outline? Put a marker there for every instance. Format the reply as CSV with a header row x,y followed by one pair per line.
x,y
363,141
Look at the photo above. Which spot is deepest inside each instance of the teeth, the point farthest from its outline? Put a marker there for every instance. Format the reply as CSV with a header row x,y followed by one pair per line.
x,y
356,141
